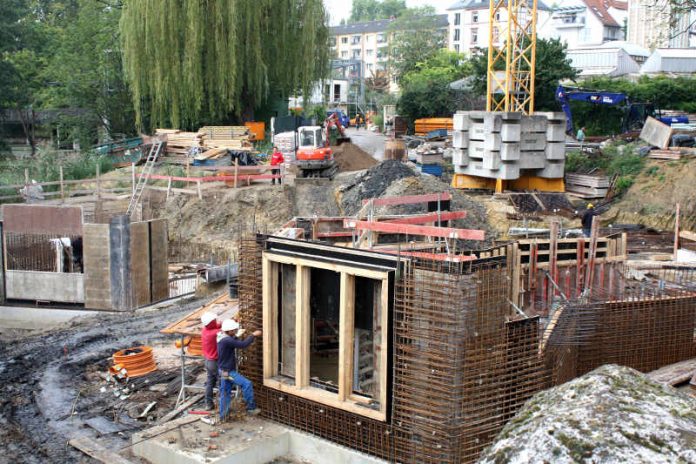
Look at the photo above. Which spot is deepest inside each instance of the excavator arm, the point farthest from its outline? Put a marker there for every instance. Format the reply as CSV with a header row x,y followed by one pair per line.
x,y
565,95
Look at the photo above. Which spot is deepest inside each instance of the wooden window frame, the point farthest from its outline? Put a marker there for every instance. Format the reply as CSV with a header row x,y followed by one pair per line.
x,y
345,399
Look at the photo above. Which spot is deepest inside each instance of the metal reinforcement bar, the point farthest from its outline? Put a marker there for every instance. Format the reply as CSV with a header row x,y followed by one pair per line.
x,y
647,321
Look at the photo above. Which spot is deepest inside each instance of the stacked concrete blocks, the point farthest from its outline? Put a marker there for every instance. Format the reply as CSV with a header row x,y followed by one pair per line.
x,y
506,146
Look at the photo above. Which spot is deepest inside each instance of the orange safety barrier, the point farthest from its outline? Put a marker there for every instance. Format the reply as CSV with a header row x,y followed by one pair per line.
x,y
136,361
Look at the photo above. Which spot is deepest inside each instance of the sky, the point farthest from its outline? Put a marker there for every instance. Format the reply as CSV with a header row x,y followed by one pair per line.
x,y
339,9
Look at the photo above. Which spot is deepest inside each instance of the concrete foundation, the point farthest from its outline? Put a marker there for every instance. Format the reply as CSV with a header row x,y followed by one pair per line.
x,y
45,286
252,441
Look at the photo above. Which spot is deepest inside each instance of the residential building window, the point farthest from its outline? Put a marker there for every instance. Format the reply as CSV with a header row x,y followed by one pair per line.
x,y
369,52
381,38
497,16
344,40
356,54
332,41
457,19
474,36
456,48
456,35
344,54
355,40
496,34
474,17
326,336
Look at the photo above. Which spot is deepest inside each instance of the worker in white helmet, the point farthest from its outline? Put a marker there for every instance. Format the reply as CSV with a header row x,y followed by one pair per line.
x,y
227,363
209,333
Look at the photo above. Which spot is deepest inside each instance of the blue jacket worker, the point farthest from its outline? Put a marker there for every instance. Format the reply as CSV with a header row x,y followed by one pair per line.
x,y
227,345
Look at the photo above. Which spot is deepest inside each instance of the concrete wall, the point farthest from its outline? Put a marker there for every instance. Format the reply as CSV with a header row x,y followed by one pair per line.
x,y
46,286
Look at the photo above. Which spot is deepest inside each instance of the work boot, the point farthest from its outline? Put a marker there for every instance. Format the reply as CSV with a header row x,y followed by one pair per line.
x,y
210,407
254,412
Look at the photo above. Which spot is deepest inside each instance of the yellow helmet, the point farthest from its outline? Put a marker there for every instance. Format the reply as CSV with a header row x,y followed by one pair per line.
x,y
590,206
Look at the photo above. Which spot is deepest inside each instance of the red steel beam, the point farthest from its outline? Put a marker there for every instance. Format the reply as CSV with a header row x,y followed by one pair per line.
x,y
432,256
408,229
430,217
409,199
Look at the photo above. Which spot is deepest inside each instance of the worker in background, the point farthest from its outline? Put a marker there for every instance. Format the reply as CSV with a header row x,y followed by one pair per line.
x,y
587,218
276,160
227,362
211,327
581,135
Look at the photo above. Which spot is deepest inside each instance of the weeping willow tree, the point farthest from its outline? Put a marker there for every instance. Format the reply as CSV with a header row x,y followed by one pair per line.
x,y
193,61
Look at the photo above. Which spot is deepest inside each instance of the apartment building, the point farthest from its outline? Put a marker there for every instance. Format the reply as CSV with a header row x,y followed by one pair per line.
x,y
367,44
584,23
469,24
651,24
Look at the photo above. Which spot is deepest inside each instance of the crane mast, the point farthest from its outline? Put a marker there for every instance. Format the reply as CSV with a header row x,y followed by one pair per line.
x,y
511,55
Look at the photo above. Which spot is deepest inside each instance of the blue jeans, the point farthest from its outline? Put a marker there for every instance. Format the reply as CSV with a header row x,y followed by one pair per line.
x,y
226,392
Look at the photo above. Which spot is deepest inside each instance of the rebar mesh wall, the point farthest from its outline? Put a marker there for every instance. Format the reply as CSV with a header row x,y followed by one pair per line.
x,y
460,371
31,252
651,324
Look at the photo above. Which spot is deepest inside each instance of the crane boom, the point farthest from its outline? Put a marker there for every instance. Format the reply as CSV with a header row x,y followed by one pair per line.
x,y
511,55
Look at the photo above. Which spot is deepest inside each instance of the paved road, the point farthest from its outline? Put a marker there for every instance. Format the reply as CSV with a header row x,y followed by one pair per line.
x,y
371,142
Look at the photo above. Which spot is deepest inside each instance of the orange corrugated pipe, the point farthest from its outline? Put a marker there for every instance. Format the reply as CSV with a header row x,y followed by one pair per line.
x,y
136,361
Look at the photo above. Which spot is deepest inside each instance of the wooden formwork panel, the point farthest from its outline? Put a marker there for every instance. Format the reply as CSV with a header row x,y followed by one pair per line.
x,y
140,263
42,219
159,269
97,266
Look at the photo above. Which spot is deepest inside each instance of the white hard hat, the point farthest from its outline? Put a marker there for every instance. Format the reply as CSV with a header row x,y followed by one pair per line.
x,y
207,318
229,324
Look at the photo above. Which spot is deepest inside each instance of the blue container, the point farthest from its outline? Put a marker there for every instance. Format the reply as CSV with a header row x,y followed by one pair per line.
x,y
432,169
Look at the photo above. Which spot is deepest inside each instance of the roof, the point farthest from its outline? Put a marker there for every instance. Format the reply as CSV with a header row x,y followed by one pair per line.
x,y
485,4
630,48
600,8
671,60
381,25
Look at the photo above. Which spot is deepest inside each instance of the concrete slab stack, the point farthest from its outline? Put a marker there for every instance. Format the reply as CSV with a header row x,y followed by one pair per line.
x,y
507,146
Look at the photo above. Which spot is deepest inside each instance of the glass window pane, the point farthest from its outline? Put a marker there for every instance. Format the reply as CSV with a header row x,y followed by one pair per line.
x,y
324,325
368,338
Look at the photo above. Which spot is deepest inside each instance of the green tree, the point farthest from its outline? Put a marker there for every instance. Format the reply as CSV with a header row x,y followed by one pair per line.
x,y
552,67
426,90
417,38
191,62
87,73
371,10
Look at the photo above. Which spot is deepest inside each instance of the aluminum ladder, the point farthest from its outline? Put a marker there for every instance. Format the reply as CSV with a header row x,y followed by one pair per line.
x,y
144,176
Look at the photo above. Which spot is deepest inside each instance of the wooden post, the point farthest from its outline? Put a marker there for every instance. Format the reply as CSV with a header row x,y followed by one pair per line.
x,y
676,232
169,187
133,178
62,187
236,172
26,176
346,338
200,193
303,328
98,182
553,260
592,257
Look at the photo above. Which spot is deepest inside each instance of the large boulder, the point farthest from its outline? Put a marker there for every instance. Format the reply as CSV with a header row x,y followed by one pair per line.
x,y
613,414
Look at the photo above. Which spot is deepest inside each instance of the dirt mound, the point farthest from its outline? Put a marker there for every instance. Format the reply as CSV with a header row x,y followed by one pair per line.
x,y
652,198
351,157
370,184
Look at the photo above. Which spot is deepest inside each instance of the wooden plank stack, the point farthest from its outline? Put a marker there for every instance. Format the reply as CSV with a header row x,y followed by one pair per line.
x,y
587,186
212,141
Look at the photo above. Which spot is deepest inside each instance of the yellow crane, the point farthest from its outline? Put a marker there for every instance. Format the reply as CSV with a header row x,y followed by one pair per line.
x,y
511,55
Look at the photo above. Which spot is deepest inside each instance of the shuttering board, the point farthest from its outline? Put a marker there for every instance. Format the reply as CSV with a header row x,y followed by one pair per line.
x,y
97,263
656,133
159,269
140,263
40,219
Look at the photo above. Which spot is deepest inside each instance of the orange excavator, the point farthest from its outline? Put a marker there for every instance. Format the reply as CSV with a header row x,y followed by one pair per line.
x,y
314,154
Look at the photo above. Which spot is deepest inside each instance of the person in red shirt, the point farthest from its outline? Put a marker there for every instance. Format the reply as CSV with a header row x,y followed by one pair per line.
x,y
276,160
211,327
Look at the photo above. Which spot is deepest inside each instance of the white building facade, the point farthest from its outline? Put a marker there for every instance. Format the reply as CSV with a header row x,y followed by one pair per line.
x,y
651,25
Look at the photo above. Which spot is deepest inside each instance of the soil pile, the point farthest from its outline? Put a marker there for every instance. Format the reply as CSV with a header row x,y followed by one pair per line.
x,y
612,415
351,157
652,198
370,184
